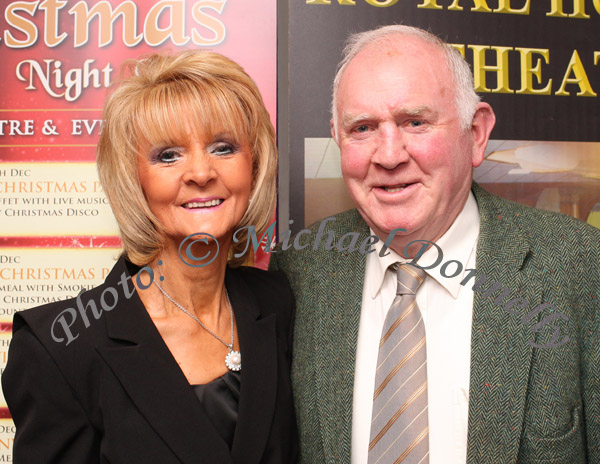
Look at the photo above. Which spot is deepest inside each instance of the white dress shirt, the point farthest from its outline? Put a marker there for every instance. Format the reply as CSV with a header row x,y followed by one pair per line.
x,y
447,309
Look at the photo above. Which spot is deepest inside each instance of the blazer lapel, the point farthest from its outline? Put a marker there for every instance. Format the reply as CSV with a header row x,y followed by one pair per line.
x,y
258,346
500,349
151,377
336,335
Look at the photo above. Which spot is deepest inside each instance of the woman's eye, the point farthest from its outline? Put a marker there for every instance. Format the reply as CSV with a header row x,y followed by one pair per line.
x,y
223,149
168,156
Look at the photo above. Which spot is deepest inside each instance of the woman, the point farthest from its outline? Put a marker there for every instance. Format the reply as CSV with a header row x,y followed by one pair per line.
x,y
188,359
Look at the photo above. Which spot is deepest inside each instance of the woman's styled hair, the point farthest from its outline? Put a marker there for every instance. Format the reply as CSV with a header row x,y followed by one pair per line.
x,y
159,99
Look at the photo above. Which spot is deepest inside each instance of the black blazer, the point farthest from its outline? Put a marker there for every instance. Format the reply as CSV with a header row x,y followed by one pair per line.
x,y
115,394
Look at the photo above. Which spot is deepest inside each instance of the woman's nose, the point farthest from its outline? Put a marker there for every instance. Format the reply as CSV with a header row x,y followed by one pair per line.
x,y
199,168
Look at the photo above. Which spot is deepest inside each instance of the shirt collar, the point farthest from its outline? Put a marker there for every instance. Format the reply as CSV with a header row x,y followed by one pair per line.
x,y
458,243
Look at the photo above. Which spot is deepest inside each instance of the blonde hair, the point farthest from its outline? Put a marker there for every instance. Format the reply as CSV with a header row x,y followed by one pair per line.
x,y
157,97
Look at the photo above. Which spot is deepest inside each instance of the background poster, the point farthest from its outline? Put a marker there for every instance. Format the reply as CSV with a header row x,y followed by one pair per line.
x,y
58,60
536,62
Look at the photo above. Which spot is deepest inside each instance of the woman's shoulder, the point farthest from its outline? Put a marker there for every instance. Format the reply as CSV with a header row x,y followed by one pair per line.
x,y
43,320
62,321
270,288
255,276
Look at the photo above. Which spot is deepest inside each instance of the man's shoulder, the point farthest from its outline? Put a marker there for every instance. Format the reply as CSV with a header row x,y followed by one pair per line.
x,y
328,245
321,238
547,228
347,221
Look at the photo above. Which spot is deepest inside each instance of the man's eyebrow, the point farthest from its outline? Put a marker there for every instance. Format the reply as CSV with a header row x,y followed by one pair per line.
x,y
418,111
350,119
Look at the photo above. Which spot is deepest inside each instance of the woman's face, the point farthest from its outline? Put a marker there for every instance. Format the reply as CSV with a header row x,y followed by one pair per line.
x,y
202,185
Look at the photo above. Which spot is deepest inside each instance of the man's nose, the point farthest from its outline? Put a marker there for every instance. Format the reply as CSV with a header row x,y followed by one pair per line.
x,y
199,167
391,149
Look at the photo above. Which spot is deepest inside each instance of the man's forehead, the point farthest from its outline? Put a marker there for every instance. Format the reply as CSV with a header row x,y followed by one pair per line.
x,y
401,46
390,60
370,77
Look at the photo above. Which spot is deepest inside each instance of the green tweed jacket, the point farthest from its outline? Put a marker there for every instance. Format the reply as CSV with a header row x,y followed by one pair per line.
x,y
526,405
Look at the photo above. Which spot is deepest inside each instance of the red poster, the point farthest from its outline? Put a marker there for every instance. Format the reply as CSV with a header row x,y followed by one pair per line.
x,y
58,60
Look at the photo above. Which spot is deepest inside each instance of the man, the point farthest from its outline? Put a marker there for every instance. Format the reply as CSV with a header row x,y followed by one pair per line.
x,y
504,377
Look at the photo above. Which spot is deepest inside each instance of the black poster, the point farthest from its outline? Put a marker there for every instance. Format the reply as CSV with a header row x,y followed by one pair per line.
x,y
537,62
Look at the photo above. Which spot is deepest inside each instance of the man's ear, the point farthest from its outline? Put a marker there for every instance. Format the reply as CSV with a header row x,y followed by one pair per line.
x,y
481,128
332,129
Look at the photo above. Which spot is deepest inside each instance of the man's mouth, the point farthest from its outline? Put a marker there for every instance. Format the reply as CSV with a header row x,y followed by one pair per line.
x,y
203,204
395,188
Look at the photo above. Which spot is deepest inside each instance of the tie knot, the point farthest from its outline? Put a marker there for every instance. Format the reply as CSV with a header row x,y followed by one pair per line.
x,y
409,278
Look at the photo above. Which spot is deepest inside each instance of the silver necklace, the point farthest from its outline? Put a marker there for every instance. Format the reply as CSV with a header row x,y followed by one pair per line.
x,y
233,360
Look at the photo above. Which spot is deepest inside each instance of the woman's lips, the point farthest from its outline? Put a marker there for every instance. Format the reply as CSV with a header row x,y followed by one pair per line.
x,y
203,204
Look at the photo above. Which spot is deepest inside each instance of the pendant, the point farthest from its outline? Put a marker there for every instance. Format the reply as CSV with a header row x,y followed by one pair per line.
x,y
233,360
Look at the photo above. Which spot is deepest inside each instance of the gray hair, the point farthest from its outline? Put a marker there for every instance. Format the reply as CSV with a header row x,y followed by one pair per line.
x,y
466,98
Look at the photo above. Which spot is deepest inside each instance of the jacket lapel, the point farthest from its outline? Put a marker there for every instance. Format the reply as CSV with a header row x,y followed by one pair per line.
x,y
151,377
500,350
336,335
258,345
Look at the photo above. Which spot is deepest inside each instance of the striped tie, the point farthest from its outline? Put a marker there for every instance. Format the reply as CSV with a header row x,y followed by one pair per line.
x,y
400,427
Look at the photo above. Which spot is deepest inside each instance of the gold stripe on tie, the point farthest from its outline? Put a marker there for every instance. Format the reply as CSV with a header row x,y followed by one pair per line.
x,y
412,446
396,323
395,417
409,270
395,370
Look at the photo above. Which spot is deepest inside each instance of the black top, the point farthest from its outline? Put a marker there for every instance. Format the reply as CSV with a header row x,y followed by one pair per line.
x,y
220,399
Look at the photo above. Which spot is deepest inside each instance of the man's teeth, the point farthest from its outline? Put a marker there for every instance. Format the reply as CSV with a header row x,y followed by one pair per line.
x,y
394,189
203,204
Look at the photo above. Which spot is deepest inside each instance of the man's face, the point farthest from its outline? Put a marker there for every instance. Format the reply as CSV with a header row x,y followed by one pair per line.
x,y
406,161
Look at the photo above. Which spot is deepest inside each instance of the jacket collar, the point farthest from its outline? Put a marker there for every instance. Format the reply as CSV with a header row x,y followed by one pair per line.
x,y
258,345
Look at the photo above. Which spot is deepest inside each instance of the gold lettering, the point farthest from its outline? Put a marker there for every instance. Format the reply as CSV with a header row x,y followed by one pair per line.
x,y
382,3
156,35
106,19
480,68
431,5
579,77
213,24
504,7
596,57
25,26
479,6
528,71
51,36
556,9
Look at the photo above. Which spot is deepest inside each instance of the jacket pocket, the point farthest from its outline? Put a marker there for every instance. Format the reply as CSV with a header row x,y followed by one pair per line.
x,y
565,449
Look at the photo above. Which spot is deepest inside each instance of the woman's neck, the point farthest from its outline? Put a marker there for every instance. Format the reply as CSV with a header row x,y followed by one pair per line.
x,y
200,290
